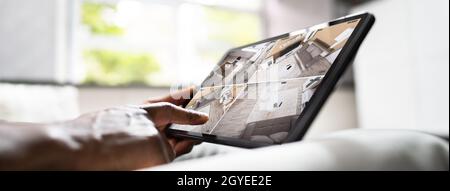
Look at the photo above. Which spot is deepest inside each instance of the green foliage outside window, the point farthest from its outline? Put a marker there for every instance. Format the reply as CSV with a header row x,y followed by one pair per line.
x,y
105,67
234,27
111,68
92,17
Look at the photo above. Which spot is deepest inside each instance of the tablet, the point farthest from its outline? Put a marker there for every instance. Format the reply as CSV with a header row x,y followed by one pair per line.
x,y
269,92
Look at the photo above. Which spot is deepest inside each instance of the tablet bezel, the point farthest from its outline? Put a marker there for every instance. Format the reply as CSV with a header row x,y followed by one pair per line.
x,y
316,102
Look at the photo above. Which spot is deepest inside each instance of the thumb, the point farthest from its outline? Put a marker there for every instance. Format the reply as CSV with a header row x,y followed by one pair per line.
x,y
164,113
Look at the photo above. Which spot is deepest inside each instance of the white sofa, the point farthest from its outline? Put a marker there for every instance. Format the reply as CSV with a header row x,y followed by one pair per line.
x,y
38,103
356,149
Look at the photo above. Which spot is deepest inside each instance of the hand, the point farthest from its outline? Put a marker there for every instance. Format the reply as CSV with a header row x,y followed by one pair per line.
x,y
180,98
113,139
138,146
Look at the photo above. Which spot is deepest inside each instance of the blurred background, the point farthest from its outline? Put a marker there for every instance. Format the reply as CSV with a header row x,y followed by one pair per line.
x,y
60,58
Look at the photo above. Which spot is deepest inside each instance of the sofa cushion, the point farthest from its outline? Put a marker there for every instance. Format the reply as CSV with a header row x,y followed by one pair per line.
x,y
346,150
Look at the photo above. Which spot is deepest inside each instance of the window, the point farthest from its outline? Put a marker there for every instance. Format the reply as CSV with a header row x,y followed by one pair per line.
x,y
156,42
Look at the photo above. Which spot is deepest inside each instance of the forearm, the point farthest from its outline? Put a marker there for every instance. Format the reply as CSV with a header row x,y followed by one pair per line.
x,y
28,146
89,142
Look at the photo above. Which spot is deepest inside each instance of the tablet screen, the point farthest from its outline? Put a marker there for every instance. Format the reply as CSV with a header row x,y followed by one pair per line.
x,y
256,93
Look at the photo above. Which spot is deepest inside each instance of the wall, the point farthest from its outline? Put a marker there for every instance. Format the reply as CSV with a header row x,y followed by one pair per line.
x,y
402,70
32,36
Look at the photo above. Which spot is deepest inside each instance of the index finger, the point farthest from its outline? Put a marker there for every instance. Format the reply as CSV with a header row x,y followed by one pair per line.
x,y
165,113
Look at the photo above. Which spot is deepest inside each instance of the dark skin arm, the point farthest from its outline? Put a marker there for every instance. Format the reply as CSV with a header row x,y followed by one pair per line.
x,y
124,138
